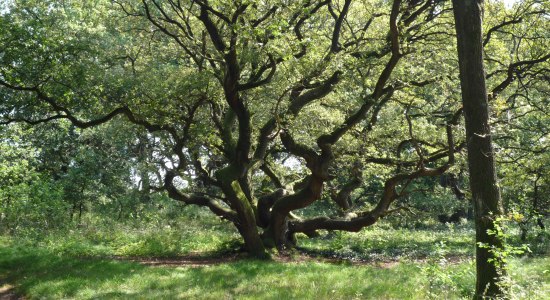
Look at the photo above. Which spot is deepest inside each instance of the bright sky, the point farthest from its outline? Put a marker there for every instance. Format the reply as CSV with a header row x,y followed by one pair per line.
x,y
509,3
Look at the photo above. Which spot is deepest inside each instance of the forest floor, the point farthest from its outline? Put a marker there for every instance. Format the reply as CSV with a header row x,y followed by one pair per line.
x,y
204,263
44,275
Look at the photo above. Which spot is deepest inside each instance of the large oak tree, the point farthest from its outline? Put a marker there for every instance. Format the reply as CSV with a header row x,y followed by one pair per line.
x,y
258,109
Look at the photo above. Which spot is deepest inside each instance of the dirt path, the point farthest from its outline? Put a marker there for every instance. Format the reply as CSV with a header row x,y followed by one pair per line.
x,y
198,260
7,292
188,261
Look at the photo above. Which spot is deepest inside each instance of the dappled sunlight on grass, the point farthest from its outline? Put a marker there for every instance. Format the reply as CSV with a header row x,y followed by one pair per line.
x,y
383,243
166,238
434,263
43,274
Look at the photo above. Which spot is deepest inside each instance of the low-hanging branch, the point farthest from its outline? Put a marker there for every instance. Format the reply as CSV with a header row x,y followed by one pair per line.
x,y
389,195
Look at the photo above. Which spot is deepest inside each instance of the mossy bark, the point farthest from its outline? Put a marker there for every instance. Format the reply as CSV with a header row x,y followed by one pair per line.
x,y
246,222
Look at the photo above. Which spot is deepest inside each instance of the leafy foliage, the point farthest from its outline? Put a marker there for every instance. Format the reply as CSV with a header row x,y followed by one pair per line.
x,y
282,118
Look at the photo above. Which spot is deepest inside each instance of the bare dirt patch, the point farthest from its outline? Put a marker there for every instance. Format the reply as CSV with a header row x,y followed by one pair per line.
x,y
187,261
7,292
203,260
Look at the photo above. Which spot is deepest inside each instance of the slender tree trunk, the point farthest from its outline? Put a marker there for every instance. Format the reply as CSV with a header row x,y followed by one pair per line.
x,y
80,209
483,181
6,214
120,211
535,209
73,210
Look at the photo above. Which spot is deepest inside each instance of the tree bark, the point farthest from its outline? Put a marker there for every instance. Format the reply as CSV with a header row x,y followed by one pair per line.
x,y
483,181
246,218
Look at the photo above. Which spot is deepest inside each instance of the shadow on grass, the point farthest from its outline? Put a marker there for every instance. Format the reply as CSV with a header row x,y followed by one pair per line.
x,y
384,245
32,268
40,274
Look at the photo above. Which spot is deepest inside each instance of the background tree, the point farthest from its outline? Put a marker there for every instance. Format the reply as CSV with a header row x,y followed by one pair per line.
x,y
481,162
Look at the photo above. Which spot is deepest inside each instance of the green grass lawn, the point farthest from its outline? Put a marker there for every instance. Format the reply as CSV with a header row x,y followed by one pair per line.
x,y
46,273
435,262
385,243
40,274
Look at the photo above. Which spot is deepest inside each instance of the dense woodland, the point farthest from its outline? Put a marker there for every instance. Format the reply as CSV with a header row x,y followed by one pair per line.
x,y
278,126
